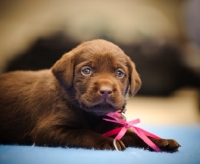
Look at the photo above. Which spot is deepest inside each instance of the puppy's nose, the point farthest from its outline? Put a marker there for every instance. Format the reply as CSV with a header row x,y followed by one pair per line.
x,y
105,91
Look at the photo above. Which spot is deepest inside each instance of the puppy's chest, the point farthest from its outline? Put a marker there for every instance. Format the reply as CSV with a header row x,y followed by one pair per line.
x,y
84,120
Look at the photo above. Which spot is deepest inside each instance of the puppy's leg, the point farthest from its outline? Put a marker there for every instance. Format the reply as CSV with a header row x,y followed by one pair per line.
x,y
131,139
54,135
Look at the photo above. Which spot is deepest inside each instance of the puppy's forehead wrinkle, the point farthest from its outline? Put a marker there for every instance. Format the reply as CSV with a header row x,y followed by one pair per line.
x,y
101,63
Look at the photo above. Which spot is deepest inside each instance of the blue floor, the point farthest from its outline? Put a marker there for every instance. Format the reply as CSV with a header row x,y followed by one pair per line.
x,y
189,152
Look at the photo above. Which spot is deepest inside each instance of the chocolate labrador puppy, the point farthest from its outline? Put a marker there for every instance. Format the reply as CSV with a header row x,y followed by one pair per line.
x,y
64,106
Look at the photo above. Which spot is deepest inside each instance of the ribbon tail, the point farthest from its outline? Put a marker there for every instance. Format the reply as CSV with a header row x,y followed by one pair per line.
x,y
121,133
148,133
146,139
112,132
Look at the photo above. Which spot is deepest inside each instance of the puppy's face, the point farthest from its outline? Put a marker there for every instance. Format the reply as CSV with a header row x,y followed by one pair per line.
x,y
101,75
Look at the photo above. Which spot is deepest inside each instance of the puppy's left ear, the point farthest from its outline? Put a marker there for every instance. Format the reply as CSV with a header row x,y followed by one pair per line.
x,y
63,69
134,78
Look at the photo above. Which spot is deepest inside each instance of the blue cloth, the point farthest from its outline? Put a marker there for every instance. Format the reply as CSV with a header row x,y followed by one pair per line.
x,y
189,152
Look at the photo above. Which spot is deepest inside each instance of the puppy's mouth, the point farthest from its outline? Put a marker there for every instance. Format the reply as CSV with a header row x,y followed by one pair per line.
x,y
103,107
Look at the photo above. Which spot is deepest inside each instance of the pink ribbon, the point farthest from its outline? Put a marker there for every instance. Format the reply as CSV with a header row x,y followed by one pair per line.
x,y
118,118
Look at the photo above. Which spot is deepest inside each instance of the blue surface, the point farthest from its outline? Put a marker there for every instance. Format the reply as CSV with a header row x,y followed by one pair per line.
x,y
189,152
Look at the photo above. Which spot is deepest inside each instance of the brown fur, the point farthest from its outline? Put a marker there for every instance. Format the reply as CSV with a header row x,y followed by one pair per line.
x,y
63,107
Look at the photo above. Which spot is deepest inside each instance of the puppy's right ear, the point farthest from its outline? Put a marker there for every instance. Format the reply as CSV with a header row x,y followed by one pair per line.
x,y
63,69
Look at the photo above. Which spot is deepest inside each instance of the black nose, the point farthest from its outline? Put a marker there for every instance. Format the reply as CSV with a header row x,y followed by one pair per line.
x,y
105,91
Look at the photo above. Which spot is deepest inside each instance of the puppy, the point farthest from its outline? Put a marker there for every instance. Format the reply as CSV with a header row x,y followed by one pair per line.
x,y
64,106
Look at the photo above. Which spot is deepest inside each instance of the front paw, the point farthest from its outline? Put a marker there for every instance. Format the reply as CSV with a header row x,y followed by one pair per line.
x,y
167,145
108,144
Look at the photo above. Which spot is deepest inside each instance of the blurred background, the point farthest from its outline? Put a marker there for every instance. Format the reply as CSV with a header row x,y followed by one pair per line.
x,y
162,38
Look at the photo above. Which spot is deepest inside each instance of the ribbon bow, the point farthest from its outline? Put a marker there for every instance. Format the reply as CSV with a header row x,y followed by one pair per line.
x,y
118,118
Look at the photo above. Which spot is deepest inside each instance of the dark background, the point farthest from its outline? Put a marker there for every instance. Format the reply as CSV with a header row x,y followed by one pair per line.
x,y
162,37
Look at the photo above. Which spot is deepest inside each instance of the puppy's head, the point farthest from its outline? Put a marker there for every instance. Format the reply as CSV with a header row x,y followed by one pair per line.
x,y
100,74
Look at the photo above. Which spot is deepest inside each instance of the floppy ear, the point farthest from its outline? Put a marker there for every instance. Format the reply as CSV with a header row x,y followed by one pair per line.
x,y
63,69
134,79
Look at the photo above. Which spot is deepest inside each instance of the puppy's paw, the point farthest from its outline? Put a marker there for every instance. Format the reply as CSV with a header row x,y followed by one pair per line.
x,y
167,145
108,144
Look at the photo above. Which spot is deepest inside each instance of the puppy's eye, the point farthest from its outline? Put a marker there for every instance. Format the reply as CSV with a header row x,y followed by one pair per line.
x,y
120,73
86,71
